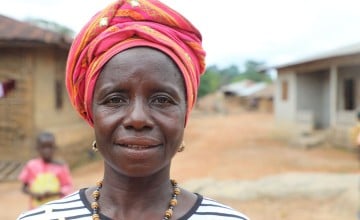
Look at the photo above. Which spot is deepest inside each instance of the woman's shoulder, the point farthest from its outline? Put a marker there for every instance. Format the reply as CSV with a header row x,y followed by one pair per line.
x,y
72,205
207,208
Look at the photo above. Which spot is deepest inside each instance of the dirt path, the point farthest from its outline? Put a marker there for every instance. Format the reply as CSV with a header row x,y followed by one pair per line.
x,y
237,147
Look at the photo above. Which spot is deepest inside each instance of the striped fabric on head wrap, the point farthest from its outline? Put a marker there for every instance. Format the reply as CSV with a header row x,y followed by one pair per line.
x,y
132,23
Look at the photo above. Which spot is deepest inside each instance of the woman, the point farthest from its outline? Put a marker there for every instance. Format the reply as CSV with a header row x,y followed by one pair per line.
x,y
133,73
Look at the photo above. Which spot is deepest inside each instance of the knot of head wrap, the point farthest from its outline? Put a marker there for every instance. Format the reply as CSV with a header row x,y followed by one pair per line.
x,y
125,24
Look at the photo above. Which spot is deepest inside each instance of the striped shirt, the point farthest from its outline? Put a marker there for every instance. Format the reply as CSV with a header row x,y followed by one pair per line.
x,y
76,206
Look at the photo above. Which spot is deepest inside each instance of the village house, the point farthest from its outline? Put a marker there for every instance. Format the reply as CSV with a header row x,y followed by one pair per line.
x,y
250,95
35,58
320,96
264,98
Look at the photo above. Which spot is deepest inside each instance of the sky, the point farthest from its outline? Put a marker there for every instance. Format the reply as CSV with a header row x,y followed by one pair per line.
x,y
274,32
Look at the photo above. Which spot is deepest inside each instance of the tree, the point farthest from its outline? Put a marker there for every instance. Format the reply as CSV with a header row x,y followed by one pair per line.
x,y
228,74
52,26
214,77
251,73
210,81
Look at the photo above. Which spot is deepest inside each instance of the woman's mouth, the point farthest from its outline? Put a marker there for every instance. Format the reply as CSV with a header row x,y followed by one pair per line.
x,y
140,152
138,147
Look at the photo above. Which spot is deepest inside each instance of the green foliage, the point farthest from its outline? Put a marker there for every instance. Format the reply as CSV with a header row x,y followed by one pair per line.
x,y
228,74
52,26
214,77
209,81
251,73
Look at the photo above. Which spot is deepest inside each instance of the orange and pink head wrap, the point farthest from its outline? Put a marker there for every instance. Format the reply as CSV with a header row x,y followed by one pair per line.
x,y
132,23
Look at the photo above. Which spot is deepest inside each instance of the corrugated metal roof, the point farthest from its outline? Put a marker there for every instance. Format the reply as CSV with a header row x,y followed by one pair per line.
x,y
243,88
343,51
12,31
267,92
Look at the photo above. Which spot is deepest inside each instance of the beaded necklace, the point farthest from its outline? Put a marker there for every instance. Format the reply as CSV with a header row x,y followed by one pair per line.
x,y
168,213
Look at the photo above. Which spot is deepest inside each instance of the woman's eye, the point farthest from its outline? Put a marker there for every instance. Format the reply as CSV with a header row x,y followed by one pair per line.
x,y
115,100
160,100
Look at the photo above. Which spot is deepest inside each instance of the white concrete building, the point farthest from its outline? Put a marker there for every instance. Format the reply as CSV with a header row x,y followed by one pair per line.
x,y
320,94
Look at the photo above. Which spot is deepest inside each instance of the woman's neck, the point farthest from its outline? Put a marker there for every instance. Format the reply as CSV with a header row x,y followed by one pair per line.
x,y
147,196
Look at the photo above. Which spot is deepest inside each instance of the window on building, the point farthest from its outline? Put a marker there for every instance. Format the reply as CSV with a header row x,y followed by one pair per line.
x,y
58,95
349,94
284,90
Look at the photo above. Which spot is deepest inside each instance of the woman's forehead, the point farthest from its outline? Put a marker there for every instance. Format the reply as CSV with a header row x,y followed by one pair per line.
x,y
141,54
141,60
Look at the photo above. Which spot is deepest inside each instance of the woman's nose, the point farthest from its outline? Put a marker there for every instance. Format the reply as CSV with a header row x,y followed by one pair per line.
x,y
138,116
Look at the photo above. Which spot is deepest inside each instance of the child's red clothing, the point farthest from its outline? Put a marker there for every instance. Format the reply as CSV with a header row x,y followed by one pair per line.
x,y
44,177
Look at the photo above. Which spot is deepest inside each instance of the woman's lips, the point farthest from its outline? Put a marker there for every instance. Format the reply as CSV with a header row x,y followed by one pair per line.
x,y
138,147
140,152
138,144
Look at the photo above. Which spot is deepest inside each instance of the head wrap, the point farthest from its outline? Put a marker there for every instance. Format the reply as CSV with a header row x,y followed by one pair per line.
x,y
125,24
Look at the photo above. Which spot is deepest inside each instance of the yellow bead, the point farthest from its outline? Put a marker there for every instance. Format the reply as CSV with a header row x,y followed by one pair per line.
x,y
168,213
177,191
173,202
99,183
95,217
94,205
96,194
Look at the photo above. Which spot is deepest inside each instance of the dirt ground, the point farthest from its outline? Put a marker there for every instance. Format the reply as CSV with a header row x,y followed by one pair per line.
x,y
238,146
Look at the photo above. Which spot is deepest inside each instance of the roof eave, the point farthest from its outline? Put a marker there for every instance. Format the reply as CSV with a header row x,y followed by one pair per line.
x,y
29,44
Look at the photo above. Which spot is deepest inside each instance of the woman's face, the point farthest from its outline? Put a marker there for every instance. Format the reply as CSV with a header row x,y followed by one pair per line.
x,y
139,109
